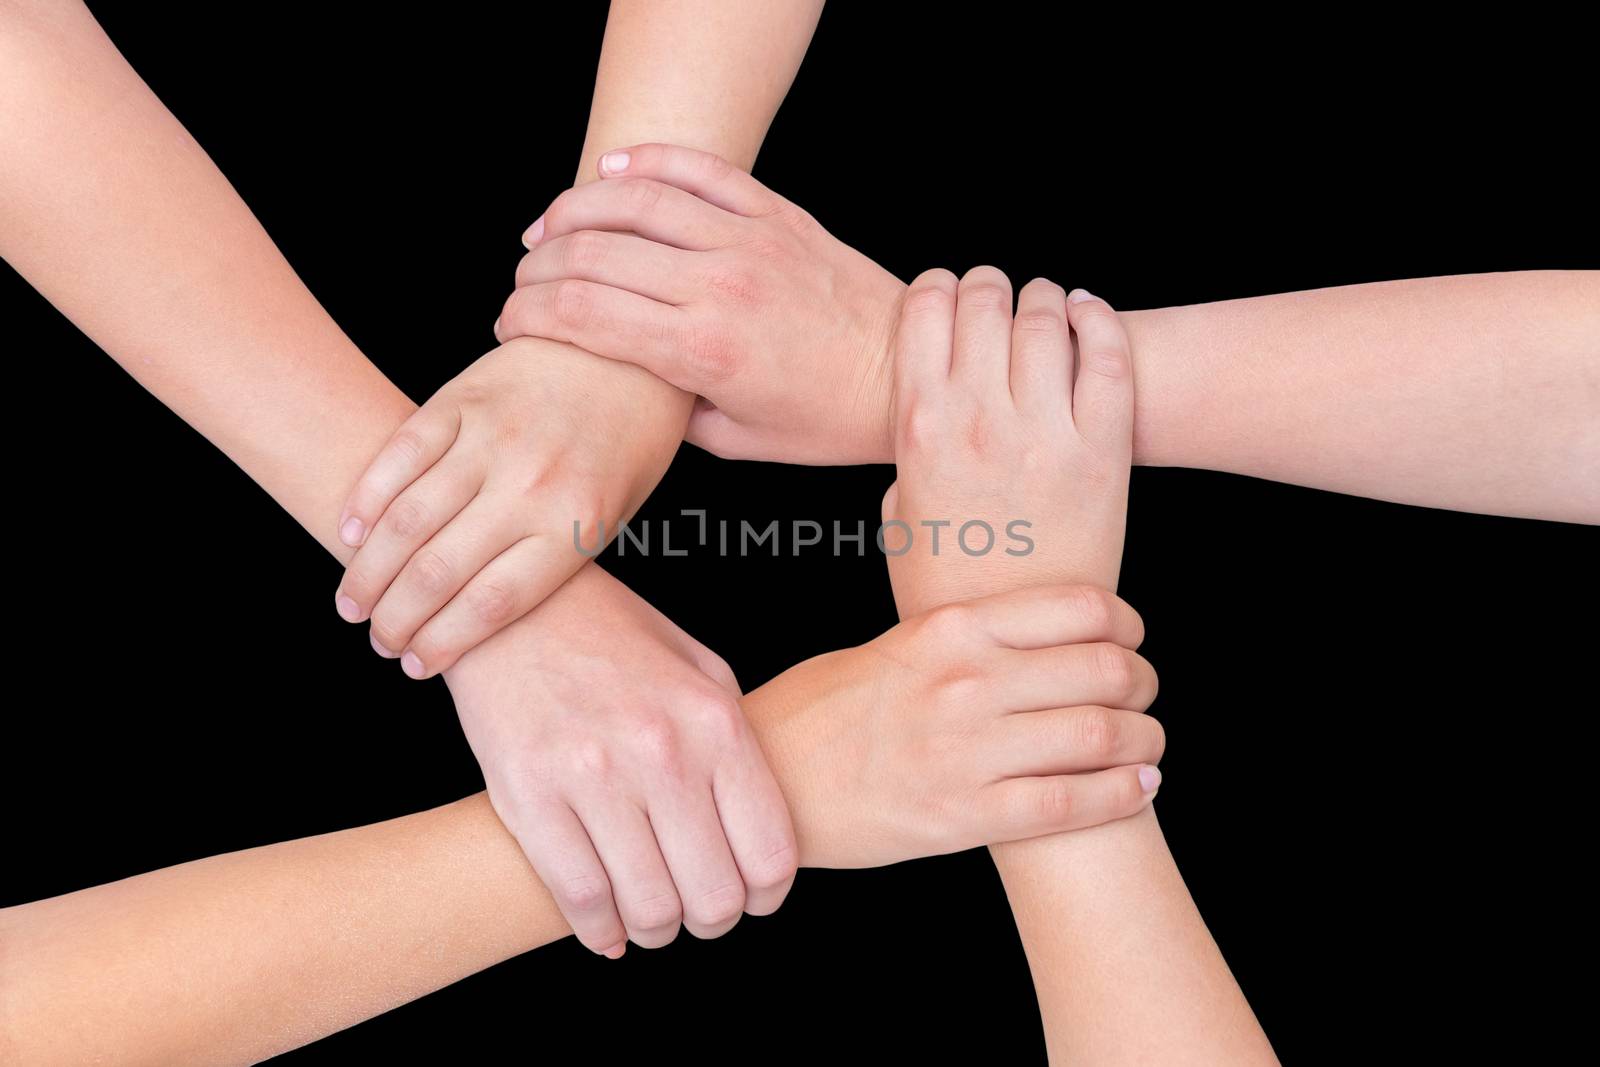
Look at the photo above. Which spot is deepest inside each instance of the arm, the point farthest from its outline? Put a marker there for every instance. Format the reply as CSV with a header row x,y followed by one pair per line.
x,y
111,209
1480,393
1476,393
471,480
992,423
237,957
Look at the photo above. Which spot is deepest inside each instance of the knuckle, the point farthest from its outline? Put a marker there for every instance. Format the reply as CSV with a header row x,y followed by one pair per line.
x,y
1099,732
555,216
985,295
928,301
407,518
1114,666
590,760
641,194
526,268
718,906
656,742
717,718
656,912
1093,606
583,251
387,633
491,603
1057,803
430,649
1136,623
1158,740
1045,289
921,424
949,623
736,285
432,572
571,304
775,865
711,353
408,444
585,893
715,167
1042,324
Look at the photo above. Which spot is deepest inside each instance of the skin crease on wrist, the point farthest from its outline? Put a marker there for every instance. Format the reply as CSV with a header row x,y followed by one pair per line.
x,y
1004,415
1377,390
173,277
883,751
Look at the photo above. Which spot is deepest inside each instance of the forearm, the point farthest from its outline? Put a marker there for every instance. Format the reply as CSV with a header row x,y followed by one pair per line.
x,y
1478,393
708,73
235,958
118,217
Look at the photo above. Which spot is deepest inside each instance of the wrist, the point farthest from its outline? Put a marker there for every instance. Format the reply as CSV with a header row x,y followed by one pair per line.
x,y
1169,413
875,426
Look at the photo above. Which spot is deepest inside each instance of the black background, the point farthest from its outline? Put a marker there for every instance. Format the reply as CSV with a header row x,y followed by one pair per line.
x,y
1379,717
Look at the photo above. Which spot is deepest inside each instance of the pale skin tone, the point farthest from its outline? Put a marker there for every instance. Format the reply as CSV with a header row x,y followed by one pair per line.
x,y
1478,393
116,215
999,416
924,741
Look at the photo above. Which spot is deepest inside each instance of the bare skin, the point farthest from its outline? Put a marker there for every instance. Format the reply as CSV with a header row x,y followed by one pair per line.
x,y
999,416
920,742
118,217
1478,393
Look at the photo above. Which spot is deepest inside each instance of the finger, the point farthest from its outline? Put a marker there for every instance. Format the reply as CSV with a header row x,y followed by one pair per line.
x,y
755,819
696,850
506,588
1047,615
620,260
653,210
437,571
982,359
405,526
1041,350
1069,740
1102,404
565,860
416,446
1072,675
923,342
1017,808
709,177
604,320
645,897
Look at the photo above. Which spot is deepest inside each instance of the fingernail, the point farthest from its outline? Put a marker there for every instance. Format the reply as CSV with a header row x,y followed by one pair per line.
x,y
379,649
347,608
534,233
411,663
615,951
1149,778
353,531
1078,296
614,163
496,329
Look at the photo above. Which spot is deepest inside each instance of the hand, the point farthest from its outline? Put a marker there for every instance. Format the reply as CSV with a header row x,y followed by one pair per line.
x,y
475,509
615,751
994,426
684,264
982,722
